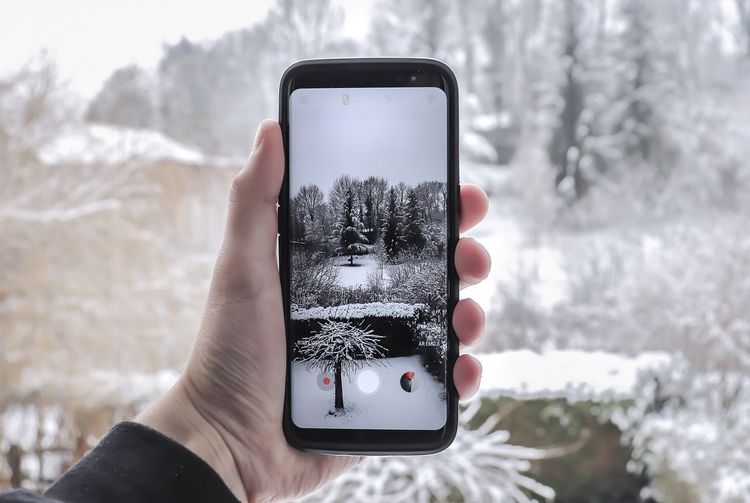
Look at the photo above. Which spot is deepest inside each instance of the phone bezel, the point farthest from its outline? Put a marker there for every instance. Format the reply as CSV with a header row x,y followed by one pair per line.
x,y
373,72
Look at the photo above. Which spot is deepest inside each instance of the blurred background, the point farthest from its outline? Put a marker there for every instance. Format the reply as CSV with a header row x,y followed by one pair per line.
x,y
613,137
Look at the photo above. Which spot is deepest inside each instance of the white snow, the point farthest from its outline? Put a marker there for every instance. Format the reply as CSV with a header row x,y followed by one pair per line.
x,y
388,407
356,275
511,251
571,374
358,311
491,121
477,148
106,144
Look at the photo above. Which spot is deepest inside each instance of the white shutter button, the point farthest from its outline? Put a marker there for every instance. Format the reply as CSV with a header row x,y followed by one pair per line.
x,y
368,381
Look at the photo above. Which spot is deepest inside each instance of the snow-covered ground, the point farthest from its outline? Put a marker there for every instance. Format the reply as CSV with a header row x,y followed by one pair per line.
x,y
388,407
357,274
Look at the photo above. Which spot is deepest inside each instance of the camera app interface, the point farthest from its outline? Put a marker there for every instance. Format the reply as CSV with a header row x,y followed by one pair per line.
x,y
368,283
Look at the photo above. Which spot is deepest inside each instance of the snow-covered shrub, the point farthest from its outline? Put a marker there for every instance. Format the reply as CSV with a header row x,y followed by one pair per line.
x,y
386,310
689,433
479,466
312,280
420,281
681,287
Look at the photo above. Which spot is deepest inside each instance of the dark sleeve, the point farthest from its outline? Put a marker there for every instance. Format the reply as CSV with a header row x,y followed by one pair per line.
x,y
134,463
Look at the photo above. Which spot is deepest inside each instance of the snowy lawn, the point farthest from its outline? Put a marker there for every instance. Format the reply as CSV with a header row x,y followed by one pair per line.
x,y
356,275
388,407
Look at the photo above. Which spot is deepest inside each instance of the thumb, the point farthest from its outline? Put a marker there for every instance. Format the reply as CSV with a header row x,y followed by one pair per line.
x,y
249,246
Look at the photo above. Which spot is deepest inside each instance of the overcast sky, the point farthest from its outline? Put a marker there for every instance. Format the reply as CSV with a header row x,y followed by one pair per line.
x,y
91,38
399,134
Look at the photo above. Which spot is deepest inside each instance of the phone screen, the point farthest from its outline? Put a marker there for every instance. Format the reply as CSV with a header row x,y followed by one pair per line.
x,y
368,173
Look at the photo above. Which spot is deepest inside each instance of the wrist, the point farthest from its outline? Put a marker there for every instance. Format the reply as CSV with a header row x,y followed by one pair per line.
x,y
175,416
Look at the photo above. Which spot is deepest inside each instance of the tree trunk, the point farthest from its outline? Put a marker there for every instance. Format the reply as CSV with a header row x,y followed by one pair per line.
x,y
351,259
15,455
339,389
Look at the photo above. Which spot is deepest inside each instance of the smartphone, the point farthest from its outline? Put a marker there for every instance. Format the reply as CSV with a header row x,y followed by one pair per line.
x,y
368,225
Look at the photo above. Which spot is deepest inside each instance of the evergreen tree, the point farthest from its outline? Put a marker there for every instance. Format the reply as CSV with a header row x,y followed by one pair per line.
x,y
393,239
350,228
414,237
565,147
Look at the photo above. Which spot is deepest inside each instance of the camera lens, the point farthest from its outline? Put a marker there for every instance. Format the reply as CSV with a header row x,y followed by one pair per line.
x,y
413,78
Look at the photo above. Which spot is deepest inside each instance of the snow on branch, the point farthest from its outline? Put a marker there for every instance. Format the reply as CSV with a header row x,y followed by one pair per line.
x,y
479,466
339,344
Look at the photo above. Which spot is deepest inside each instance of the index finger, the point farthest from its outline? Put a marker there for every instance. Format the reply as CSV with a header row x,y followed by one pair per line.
x,y
474,206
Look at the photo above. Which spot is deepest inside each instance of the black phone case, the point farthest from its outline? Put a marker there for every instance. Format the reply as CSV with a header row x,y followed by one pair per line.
x,y
373,442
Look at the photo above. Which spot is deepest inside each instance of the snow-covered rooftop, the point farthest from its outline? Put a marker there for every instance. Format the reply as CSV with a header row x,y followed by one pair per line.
x,y
571,374
106,144
359,311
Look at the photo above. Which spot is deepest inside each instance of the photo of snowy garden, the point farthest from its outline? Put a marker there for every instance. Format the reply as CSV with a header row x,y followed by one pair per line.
x,y
369,298
612,137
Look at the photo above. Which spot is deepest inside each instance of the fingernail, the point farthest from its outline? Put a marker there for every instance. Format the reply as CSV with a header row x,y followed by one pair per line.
x,y
258,137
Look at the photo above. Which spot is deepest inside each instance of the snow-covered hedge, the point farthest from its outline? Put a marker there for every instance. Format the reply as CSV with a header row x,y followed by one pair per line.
x,y
360,311
571,374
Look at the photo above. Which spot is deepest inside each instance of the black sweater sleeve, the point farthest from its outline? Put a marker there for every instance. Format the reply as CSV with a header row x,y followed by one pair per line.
x,y
134,463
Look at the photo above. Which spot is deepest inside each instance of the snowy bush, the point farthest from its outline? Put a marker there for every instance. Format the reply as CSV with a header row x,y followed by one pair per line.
x,y
480,465
688,428
681,288
312,280
420,281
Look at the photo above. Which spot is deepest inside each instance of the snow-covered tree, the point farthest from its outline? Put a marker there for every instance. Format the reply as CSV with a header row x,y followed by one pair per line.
x,y
414,237
393,233
375,190
339,347
349,228
128,98
418,28
311,216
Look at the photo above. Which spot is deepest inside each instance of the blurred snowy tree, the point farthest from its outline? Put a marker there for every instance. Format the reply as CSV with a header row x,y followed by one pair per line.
x,y
128,98
420,28
480,465
743,11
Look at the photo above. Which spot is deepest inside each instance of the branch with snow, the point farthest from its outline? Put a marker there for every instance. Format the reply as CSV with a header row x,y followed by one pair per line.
x,y
480,465
339,344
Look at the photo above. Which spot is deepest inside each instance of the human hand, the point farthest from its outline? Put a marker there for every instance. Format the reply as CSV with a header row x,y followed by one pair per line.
x,y
227,406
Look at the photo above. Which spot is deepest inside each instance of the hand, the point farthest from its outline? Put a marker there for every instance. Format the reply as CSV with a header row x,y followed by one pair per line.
x,y
227,406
